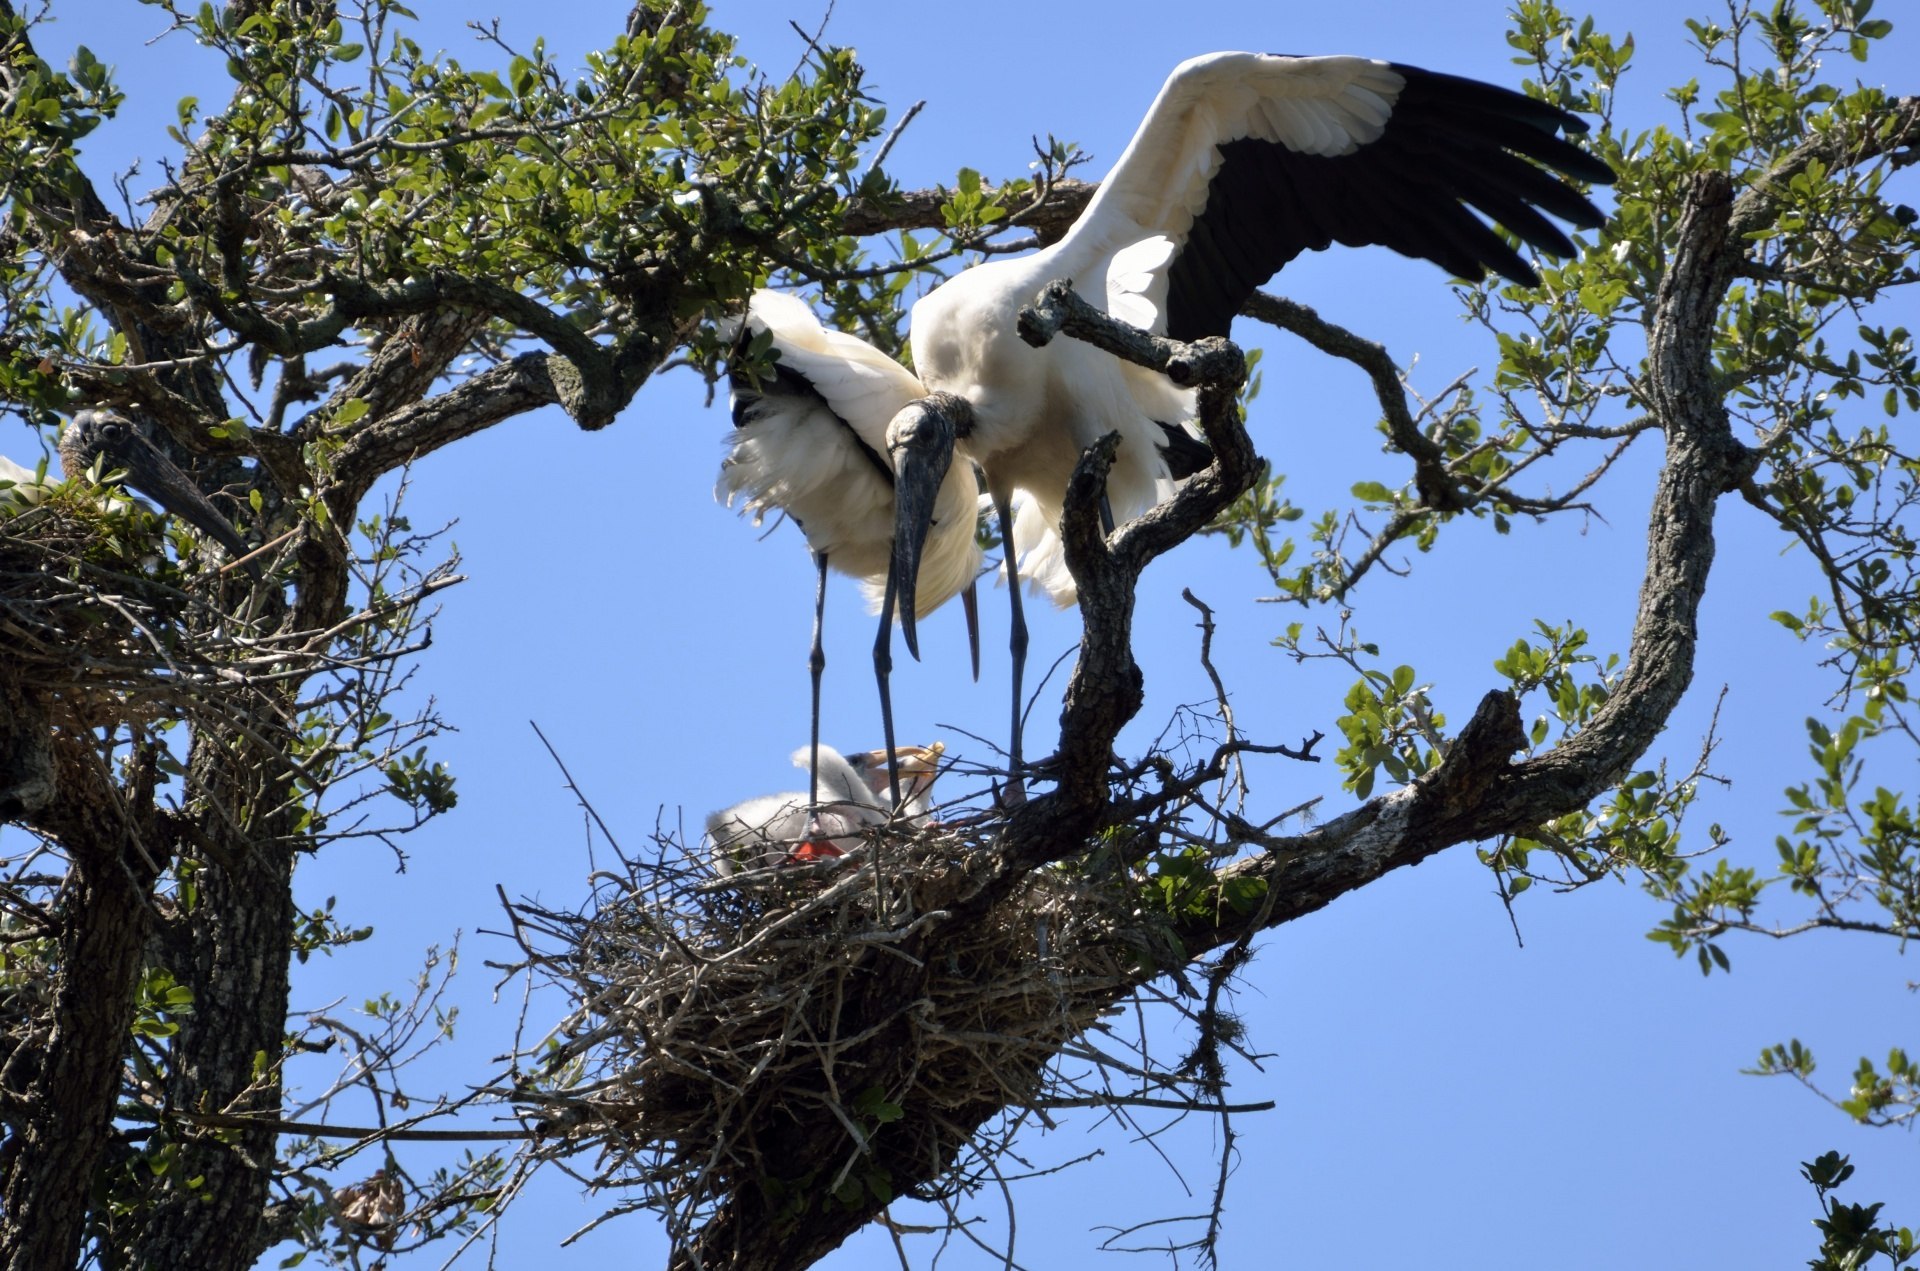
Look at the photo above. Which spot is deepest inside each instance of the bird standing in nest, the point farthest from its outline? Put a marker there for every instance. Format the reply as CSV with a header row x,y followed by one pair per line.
x,y
1243,162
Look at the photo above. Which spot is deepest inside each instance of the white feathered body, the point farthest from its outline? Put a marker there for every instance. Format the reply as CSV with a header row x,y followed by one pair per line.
x,y
802,453
1037,409
24,488
764,831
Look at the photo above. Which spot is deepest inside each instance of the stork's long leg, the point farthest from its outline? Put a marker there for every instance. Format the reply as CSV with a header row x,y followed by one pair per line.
x,y
817,664
882,668
1017,641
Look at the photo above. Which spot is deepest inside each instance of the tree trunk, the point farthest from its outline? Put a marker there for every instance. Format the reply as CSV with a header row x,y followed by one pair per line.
x,y
227,1055
59,1095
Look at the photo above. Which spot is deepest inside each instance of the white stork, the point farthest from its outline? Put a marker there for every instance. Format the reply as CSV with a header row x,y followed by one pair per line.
x,y
1243,161
113,441
20,487
778,829
818,437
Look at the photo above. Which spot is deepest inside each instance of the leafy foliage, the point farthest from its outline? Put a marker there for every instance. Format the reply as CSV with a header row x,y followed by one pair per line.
x,y
1849,1235
368,251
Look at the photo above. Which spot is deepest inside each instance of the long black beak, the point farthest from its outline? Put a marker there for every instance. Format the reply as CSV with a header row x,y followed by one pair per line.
x,y
94,434
970,601
920,448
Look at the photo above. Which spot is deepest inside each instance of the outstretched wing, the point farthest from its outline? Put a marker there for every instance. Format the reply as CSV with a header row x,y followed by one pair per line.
x,y
857,382
1245,160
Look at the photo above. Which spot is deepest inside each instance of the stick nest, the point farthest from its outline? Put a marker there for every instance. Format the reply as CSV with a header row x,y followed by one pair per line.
x,y
89,605
812,1029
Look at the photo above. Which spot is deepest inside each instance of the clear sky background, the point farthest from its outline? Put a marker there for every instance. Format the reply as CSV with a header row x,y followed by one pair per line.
x,y
1445,1096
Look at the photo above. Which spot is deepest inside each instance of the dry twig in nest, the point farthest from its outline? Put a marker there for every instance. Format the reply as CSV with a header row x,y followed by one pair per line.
x,y
714,1024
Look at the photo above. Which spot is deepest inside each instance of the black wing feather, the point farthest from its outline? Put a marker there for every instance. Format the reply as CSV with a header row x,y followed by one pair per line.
x,y
1451,145
1185,454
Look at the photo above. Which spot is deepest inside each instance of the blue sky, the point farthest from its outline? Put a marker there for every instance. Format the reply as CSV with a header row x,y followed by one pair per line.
x,y
1444,1096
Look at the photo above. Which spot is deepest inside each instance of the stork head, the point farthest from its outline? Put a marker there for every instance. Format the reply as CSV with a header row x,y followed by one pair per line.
x,y
920,450
117,442
919,768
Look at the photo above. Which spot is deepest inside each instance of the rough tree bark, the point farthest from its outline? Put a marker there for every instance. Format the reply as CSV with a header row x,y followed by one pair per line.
x,y
59,1096
231,950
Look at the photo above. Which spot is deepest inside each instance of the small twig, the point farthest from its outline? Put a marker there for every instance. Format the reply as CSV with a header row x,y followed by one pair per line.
x,y
368,1134
578,794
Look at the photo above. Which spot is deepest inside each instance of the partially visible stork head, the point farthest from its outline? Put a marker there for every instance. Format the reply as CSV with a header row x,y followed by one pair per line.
x,y
920,449
919,769
115,441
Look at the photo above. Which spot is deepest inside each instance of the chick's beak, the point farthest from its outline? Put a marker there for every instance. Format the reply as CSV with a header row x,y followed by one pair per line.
x,y
919,768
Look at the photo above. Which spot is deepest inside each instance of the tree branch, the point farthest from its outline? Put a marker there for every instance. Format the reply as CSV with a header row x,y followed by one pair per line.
x,y
1475,793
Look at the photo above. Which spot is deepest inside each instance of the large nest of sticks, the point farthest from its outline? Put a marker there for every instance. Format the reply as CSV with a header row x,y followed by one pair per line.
x,y
100,629
812,1029
88,602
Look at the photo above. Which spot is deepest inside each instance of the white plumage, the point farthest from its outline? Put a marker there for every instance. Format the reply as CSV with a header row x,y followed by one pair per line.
x,y
20,487
1188,224
822,436
811,441
772,828
1243,161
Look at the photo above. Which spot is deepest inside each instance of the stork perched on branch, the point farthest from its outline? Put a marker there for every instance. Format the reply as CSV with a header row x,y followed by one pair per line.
x,y
1243,161
778,829
97,442
818,436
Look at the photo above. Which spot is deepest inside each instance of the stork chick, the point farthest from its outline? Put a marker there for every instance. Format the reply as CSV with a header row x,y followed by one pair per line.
x,y
781,829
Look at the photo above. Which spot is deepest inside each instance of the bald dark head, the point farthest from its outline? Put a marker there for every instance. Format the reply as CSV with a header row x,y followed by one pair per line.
x,y
920,449
113,441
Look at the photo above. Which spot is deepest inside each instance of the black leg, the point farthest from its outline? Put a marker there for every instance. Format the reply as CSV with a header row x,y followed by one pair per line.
x,y
882,669
1017,643
817,663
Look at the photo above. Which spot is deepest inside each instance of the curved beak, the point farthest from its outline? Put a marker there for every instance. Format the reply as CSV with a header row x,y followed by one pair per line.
x,y
156,476
920,448
919,769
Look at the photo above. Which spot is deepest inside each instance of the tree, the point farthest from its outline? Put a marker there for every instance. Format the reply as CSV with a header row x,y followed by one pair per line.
x,y
370,253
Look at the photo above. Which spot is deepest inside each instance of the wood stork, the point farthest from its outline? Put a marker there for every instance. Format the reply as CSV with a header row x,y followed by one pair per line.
x,y
819,437
112,441
1243,161
777,829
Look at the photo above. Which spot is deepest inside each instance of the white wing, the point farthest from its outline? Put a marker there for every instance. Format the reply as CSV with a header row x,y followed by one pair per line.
x,y
810,440
1245,160
1311,105
857,382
